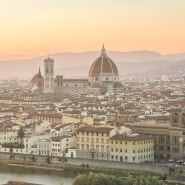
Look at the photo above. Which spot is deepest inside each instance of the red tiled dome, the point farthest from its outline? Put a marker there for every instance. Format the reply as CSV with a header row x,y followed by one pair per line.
x,y
37,77
118,85
103,64
95,85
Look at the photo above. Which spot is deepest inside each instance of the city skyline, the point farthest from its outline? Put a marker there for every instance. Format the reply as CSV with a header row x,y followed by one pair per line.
x,y
34,28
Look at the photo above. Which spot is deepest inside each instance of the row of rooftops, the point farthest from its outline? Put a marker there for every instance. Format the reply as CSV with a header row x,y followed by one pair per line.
x,y
137,98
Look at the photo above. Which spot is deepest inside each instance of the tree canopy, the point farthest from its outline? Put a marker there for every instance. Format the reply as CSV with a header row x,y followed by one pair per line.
x,y
21,133
101,179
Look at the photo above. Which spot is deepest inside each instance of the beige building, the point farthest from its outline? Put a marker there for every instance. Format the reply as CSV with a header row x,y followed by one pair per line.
x,y
131,148
93,142
61,143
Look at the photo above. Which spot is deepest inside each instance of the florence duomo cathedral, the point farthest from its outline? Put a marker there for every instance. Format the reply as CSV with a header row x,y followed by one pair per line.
x,y
103,77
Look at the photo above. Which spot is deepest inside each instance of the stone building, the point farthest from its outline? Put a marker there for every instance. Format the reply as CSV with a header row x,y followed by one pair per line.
x,y
131,148
103,77
169,139
48,75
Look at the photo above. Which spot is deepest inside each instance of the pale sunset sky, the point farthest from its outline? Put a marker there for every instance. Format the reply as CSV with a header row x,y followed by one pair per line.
x,y
36,27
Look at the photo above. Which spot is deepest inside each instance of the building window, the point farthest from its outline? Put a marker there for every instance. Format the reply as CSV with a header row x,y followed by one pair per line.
x,y
107,148
82,146
67,85
175,119
107,79
102,140
96,79
97,147
75,85
102,148
97,140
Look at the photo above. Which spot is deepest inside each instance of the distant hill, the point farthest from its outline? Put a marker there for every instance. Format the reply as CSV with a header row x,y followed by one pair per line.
x,y
72,65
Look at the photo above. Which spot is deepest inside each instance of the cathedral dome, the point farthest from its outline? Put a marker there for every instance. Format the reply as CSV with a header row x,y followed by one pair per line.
x,y
37,82
103,65
37,78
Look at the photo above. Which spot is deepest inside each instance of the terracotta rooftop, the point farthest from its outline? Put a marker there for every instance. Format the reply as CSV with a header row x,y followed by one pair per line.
x,y
123,137
103,64
19,183
95,129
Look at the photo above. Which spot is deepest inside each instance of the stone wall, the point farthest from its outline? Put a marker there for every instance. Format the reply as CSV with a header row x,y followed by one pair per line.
x,y
21,158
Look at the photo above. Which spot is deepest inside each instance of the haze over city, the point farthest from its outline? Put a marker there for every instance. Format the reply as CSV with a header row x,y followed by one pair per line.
x,y
38,27
92,92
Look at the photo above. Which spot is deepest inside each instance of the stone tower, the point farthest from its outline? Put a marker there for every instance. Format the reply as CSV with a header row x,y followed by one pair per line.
x,y
49,75
177,134
58,84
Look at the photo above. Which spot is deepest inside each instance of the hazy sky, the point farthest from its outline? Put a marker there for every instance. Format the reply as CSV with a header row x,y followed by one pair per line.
x,y
36,27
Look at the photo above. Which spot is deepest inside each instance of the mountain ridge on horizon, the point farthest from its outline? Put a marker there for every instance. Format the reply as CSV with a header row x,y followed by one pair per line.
x,y
32,57
67,63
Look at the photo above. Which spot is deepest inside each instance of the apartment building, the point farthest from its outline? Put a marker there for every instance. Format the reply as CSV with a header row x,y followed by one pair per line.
x,y
131,148
93,142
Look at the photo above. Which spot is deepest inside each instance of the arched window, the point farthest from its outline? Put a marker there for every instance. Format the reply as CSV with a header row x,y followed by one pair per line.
x,y
175,119
183,120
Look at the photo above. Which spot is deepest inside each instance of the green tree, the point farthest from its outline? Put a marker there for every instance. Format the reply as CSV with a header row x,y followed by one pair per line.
x,y
33,158
130,179
48,159
21,133
148,180
102,179
13,145
98,179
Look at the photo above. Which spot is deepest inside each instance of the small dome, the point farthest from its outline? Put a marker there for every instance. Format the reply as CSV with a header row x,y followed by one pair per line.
x,y
118,85
95,85
37,77
103,65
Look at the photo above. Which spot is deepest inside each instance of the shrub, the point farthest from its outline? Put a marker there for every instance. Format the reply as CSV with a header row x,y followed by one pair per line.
x,y
13,145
